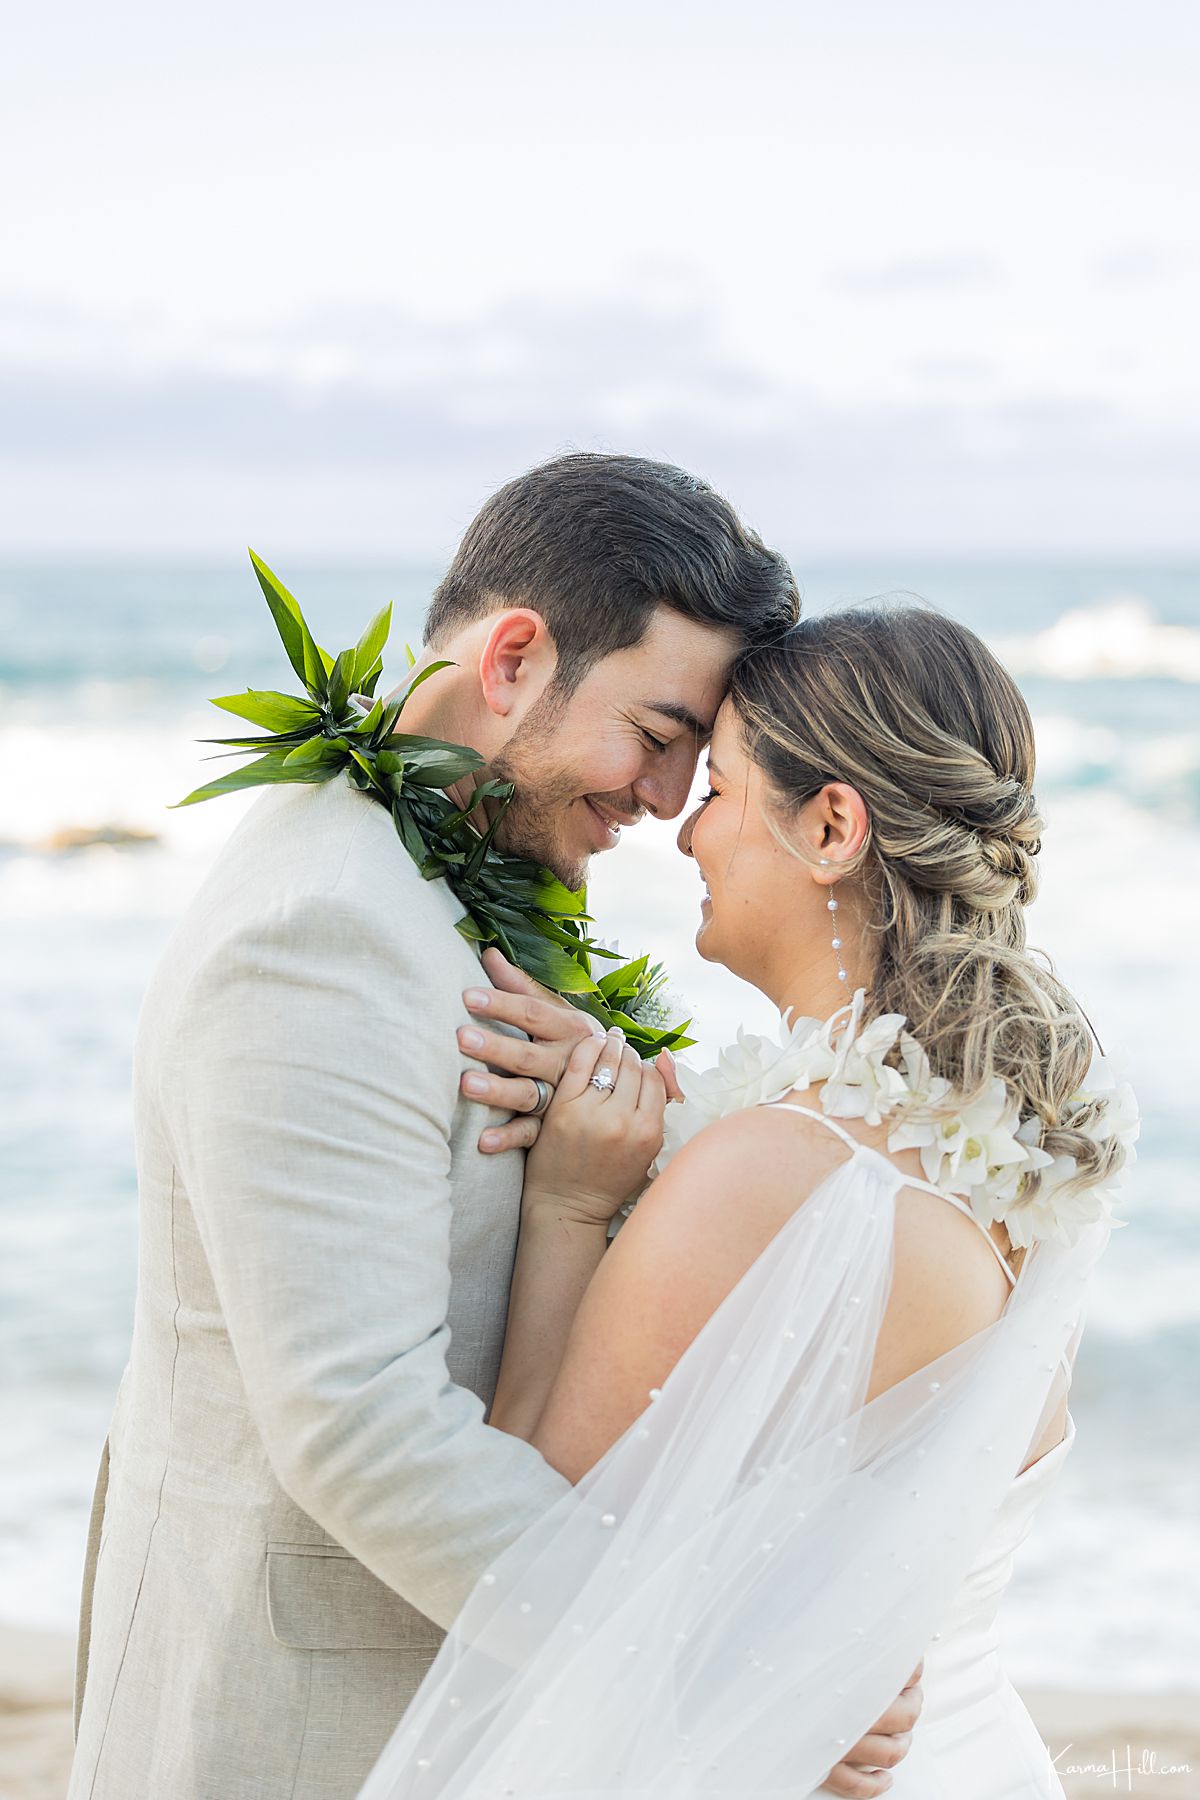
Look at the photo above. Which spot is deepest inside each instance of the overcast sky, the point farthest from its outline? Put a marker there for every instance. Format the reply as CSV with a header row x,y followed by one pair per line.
x,y
919,276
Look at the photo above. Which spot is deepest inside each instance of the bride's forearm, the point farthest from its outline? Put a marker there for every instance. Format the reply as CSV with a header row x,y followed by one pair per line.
x,y
557,1254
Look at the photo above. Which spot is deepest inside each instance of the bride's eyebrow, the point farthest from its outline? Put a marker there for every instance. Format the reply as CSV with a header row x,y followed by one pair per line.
x,y
715,769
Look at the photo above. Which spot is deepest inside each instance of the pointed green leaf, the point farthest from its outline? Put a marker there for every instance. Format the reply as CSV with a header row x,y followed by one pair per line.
x,y
387,724
366,683
554,896
408,743
434,668
626,979
475,933
552,966
303,654
364,764
267,768
262,706
425,768
316,750
275,740
370,645
367,723
410,837
340,682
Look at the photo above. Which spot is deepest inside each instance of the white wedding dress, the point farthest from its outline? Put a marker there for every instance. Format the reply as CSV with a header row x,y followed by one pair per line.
x,y
974,1728
745,1581
975,1738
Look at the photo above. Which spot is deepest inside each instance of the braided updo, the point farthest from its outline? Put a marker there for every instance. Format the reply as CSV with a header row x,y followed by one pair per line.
x,y
914,711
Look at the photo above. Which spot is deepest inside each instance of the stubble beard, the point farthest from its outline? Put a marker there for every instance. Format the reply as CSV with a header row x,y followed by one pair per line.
x,y
537,813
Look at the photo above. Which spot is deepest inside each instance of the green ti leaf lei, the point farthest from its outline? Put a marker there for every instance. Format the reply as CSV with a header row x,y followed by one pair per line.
x,y
537,922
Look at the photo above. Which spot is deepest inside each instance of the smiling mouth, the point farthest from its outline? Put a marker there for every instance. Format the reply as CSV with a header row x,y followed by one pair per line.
x,y
611,822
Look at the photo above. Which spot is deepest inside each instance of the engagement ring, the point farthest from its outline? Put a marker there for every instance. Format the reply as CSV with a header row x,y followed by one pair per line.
x,y
604,1081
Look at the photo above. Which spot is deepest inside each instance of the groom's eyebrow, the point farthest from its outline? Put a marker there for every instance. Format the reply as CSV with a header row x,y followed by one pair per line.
x,y
680,715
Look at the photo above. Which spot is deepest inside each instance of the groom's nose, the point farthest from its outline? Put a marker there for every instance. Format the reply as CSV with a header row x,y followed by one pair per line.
x,y
664,790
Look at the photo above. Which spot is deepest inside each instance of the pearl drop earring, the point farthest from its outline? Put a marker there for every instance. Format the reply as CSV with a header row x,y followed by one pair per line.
x,y
832,906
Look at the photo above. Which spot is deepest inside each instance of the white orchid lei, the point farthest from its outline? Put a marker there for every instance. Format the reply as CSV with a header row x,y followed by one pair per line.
x,y
878,1072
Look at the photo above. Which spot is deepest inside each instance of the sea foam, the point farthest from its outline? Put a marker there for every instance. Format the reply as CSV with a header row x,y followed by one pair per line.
x,y
1120,639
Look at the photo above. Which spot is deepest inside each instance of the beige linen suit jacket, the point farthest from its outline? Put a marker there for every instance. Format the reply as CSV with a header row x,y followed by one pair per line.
x,y
301,1488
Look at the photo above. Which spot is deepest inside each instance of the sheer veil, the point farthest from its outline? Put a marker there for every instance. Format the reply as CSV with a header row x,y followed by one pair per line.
x,y
746,1580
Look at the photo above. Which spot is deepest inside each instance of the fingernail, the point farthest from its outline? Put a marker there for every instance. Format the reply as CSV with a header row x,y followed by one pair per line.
x,y
470,1039
475,1084
489,1140
477,999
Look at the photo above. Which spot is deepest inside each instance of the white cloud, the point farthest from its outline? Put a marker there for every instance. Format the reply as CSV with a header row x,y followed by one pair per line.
x,y
927,275
380,432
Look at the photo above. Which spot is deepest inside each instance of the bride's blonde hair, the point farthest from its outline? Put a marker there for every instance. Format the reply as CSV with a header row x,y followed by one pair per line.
x,y
912,709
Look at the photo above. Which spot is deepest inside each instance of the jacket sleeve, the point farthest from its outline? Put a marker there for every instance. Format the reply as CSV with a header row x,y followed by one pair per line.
x,y
313,1079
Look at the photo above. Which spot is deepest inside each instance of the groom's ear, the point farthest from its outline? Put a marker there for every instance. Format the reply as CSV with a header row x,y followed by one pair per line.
x,y
517,662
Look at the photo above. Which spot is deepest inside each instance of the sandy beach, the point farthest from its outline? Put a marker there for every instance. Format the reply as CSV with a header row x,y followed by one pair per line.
x,y
1103,1744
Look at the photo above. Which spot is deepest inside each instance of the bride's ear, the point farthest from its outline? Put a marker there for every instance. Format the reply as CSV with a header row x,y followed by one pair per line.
x,y
839,829
517,662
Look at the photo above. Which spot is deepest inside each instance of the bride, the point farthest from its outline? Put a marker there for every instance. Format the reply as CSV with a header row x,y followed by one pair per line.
x,y
813,1393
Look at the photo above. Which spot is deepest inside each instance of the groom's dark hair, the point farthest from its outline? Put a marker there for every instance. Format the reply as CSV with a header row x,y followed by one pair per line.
x,y
595,543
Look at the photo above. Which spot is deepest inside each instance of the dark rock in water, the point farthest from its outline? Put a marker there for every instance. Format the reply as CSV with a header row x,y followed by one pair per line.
x,y
84,837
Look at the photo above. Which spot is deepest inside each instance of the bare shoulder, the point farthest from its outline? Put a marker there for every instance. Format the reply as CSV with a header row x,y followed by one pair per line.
x,y
737,1182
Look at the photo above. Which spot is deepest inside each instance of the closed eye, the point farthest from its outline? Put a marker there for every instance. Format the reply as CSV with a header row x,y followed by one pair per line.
x,y
652,742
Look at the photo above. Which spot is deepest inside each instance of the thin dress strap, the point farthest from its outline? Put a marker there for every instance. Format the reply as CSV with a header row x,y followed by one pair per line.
x,y
807,1112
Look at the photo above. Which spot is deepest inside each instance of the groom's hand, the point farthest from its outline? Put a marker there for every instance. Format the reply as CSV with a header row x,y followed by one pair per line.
x,y
552,1028
862,1773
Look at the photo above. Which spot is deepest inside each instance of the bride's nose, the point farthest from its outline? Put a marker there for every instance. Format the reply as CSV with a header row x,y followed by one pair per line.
x,y
684,840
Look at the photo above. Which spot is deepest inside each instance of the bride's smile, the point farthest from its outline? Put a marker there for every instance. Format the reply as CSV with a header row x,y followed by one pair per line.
x,y
758,916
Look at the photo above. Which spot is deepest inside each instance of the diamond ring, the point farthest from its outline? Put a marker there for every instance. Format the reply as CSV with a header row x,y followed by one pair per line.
x,y
604,1081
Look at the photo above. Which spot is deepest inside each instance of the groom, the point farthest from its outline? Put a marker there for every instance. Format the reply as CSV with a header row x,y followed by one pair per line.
x,y
299,1489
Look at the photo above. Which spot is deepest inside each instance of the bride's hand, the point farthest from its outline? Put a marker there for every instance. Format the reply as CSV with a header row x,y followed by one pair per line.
x,y
600,1135
552,1028
863,1771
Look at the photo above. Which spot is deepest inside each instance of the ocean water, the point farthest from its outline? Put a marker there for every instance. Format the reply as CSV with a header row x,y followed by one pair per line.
x,y
103,679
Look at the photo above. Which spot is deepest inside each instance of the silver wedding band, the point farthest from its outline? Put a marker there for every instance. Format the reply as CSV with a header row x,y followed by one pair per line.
x,y
604,1081
545,1094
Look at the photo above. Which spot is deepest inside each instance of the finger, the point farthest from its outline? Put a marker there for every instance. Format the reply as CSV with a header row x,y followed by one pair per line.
x,y
878,1752
903,1713
652,1100
511,980
518,1134
542,1019
514,1055
519,1095
665,1064
612,1058
628,1070
855,1784
582,1064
